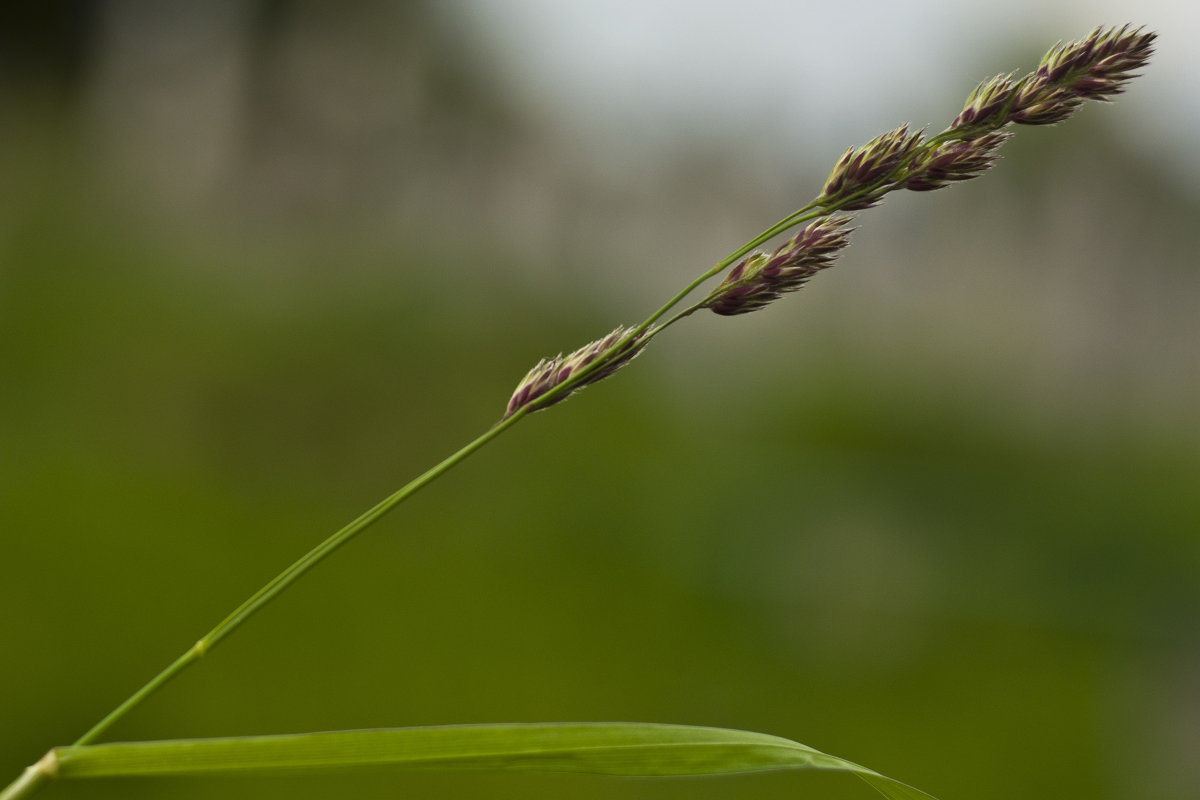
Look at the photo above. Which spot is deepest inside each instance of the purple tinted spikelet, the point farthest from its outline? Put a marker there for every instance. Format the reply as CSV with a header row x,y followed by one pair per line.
x,y
1039,103
859,170
760,277
954,161
551,373
987,105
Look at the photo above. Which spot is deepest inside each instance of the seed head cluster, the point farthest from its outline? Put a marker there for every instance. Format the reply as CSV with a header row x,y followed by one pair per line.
x,y
551,373
960,160
760,278
854,182
1095,68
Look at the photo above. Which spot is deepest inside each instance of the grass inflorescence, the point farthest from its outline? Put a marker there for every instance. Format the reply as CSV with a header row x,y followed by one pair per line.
x,y
1095,68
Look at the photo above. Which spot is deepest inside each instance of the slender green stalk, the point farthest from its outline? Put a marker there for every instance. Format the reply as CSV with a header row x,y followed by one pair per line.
x,y
285,578
318,553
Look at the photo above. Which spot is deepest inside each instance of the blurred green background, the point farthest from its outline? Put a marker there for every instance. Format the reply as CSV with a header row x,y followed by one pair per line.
x,y
262,262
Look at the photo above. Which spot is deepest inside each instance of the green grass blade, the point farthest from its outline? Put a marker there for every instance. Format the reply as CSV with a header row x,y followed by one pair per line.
x,y
609,748
892,789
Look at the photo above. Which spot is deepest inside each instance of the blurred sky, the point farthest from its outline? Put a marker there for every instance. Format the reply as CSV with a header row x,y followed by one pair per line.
x,y
816,72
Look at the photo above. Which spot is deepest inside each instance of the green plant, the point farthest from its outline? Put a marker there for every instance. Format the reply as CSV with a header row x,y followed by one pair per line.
x,y
1096,67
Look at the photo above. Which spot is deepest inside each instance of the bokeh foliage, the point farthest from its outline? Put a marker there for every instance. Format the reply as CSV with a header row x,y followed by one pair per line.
x,y
894,519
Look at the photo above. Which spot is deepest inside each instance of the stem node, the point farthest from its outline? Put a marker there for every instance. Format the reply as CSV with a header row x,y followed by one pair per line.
x,y
33,777
48,765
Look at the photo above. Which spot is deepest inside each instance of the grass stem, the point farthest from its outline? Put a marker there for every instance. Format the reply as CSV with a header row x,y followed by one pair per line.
x,y
288,576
